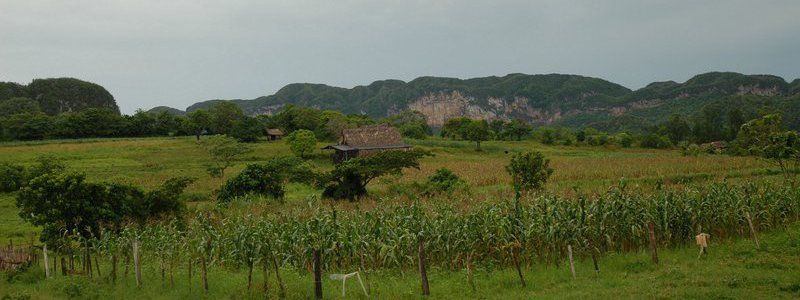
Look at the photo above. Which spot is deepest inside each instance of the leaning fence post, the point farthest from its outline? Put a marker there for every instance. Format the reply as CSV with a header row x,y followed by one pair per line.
x,y
653,244
752,229
422,272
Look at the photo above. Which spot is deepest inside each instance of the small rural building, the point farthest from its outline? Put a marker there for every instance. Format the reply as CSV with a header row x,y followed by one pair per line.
x,y
368,140
274,134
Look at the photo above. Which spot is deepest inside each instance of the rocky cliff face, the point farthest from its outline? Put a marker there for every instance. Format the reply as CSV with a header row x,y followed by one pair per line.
x,y
438,107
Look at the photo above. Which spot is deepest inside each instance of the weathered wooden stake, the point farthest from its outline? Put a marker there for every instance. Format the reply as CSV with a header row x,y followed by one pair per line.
x,y
317,275
422,272
571,262
366,274
46,262
752,229
63,266
190,272
249,274
653,244
88,260
469,272
136,263
97,265
203,273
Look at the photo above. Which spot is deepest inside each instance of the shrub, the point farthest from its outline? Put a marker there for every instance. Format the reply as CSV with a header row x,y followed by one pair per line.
x,y
529,171
266,179
12,177
302,142
46,165
442,181
691,150
655,141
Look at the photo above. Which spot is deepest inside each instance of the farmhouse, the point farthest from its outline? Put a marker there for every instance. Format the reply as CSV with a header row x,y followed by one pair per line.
x,y
274,134
368,140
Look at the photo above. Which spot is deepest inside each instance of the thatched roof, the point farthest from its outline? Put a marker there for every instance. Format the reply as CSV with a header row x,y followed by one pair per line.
x,y
274,131
372,136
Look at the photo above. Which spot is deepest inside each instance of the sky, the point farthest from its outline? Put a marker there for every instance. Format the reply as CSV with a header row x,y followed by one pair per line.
x,y
149,53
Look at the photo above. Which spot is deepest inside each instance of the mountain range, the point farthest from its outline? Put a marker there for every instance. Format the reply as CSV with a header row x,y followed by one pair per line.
x,y
551,99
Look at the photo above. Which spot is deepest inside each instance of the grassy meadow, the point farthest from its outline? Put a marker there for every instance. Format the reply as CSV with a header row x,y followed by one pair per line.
x,y
733,269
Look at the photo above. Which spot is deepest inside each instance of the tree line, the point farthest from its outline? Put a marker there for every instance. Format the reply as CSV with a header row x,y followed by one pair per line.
x,y
21,119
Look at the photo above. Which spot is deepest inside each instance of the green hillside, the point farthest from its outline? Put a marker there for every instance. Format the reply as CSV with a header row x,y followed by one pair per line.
x,y
57,95
553,99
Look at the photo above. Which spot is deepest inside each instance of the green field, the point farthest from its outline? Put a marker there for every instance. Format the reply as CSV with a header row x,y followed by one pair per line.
x,y
733,269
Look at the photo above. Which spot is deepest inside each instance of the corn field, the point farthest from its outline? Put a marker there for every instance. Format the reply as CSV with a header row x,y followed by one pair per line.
x,y
537,230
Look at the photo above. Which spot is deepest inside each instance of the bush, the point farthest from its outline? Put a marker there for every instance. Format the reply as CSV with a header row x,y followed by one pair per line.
x,y
46,165
302,142
691,150
12,177
16,296
442,181
266,179
655,141
529,171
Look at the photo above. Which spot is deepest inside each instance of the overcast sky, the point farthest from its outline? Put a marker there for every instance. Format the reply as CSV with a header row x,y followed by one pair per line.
x,y
177,52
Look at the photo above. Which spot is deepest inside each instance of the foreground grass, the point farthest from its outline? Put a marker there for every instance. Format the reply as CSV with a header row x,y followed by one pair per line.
x,y
732,270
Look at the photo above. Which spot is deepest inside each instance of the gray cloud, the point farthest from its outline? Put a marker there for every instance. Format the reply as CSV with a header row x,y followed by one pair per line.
x,y
150,53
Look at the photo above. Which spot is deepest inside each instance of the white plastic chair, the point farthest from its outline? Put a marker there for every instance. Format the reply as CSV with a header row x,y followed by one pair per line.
x,y
344,277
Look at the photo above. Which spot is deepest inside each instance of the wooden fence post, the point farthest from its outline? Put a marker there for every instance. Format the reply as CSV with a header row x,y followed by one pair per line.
x,y
46,262
653,244
752,229
136,263
317,275
366,274
571,262
422,271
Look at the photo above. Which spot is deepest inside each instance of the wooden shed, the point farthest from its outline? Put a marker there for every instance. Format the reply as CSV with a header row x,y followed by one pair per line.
x,y
368,140
274,134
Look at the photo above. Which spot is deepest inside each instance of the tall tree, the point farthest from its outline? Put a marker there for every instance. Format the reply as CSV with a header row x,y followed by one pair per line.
x,y
478,131
223,115
197,122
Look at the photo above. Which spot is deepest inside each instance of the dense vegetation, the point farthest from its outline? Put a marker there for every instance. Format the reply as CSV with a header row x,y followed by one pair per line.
x,y
580,101
249,232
